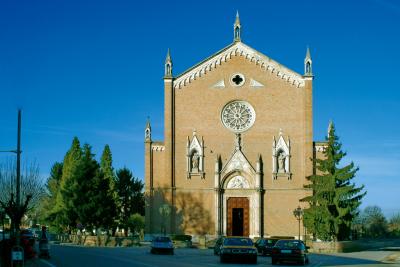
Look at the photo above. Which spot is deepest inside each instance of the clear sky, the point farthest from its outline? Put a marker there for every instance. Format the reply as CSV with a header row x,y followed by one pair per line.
x,y
93,69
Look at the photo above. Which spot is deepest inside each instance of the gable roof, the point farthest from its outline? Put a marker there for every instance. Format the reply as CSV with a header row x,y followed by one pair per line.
x,y
239,49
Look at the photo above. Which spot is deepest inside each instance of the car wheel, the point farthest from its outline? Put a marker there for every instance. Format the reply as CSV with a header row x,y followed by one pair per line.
x,y
303,261
274,261
254,261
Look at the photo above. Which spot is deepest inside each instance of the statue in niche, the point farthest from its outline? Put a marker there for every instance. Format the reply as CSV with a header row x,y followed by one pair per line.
x,y
195,162
281,162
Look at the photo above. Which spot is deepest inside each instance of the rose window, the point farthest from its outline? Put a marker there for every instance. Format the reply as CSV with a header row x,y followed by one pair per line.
x,y
238,116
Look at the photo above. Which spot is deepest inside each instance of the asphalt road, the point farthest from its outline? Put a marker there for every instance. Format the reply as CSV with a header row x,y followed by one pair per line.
x,y
72,256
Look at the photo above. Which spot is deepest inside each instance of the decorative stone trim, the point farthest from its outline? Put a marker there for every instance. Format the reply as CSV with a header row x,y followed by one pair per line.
x,y
239,83
320,148
158,148
219,84
195,157
239,49
255,84
281,157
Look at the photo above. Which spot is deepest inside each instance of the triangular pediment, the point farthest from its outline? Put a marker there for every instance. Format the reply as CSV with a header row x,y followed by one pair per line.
x,y
239,49
238,162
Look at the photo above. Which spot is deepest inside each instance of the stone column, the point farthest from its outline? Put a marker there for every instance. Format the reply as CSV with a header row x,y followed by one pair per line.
x,y
259,187
217,179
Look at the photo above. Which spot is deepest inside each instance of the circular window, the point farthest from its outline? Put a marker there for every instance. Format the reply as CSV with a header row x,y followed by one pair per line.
x,y
238,116
237,79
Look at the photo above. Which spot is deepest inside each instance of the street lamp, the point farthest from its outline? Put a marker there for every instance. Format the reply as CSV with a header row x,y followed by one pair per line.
x,y
298,213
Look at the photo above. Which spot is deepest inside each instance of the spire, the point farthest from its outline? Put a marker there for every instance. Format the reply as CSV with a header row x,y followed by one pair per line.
x,y
236,28
147,131
330,128
168,66
238,142
308,64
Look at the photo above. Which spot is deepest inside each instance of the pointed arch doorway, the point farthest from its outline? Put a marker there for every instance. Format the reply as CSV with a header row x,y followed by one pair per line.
x,y
238,216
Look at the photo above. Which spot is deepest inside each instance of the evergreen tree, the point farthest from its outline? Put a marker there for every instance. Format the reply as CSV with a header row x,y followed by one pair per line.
x,y
49,201
106,183
85,189
64,211
335,199
131,199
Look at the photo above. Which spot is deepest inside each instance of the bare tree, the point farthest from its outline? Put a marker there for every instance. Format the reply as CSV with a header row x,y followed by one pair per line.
x,y
32,190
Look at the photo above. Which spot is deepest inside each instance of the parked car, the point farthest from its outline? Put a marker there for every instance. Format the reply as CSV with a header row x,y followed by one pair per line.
x,y
264,245
238,248
290,250
28,243
218,244
162,244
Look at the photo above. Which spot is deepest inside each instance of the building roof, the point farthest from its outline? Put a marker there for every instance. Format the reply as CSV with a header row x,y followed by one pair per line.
x,y
239,49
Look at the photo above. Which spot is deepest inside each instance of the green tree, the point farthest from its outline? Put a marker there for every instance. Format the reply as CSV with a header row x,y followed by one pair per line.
x,y
64,210
84,197
335,199
394,225
110,195
130,194
136,223
93,198
374,222
49,201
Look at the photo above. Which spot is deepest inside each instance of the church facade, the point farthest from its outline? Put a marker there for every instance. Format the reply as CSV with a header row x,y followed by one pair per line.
x,y
237,146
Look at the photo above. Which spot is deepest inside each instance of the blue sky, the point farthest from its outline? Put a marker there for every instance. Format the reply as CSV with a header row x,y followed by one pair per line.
x,y
93,69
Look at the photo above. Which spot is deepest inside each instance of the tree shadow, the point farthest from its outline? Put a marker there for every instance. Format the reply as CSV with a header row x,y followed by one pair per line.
x,y
187,214
193,217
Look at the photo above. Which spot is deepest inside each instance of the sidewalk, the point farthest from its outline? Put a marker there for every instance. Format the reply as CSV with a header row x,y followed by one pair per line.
x,y
37,262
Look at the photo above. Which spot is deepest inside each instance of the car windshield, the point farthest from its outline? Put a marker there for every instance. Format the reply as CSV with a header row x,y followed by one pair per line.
x,y
290,244
238,242
162,239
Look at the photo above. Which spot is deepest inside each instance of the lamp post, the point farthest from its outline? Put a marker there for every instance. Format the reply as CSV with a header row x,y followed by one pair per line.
x,y
298,213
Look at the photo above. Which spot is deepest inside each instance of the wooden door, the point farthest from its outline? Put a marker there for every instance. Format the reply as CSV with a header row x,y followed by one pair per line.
x,y
237,207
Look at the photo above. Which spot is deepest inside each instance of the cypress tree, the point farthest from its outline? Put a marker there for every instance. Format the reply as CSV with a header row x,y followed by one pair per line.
x,y
64,213
85,189
106,183
335,199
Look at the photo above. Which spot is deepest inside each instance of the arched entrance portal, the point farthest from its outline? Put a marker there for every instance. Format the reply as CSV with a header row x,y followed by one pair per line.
x,y
238,216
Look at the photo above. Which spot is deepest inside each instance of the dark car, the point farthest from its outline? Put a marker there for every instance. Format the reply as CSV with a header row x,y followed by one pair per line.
x,y
162,244
264,245
238,248
28,243
217,246
290,250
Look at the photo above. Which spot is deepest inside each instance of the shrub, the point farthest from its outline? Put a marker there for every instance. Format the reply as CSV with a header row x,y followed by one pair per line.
x,y
181,237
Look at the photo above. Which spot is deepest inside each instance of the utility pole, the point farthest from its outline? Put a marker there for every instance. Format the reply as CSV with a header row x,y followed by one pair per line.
x,y
18,193
17,252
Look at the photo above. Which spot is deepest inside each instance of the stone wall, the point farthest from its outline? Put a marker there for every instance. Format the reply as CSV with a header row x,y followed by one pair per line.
x,y
352,246
103,240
